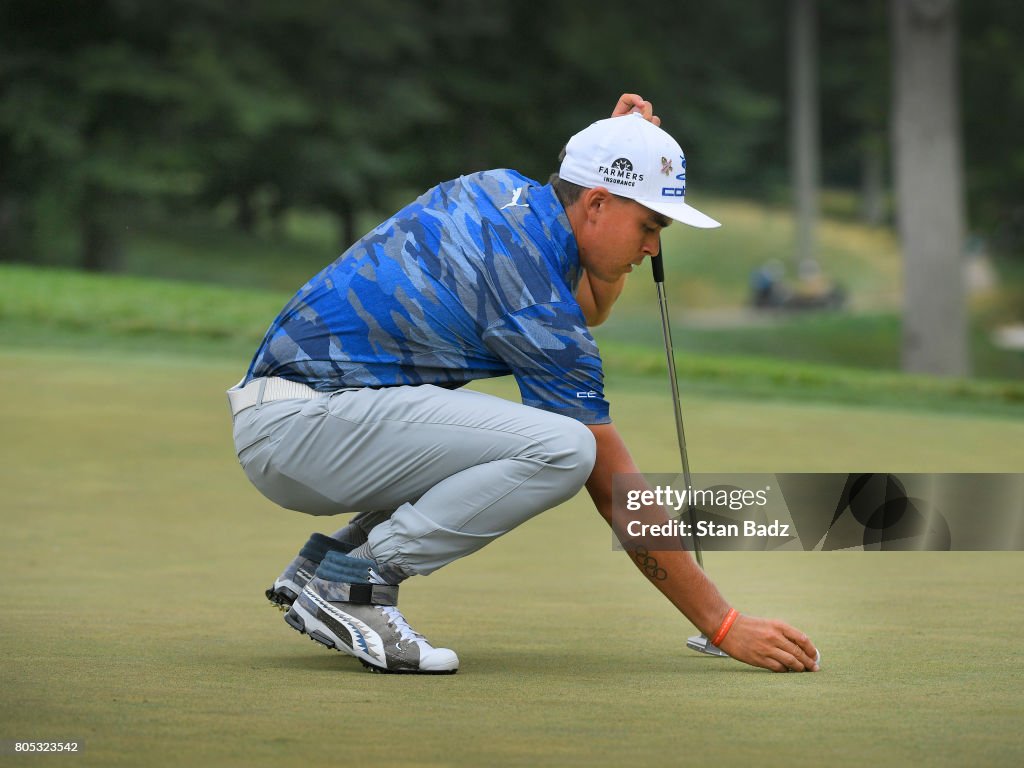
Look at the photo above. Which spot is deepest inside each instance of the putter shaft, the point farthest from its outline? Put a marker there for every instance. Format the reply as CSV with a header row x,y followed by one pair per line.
x,y
700,643
666,331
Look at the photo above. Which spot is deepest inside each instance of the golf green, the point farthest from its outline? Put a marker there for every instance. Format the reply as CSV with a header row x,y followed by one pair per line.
x,y
136,554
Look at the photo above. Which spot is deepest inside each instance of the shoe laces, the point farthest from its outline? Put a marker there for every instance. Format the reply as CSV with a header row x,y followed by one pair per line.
x,y
405,632
395,618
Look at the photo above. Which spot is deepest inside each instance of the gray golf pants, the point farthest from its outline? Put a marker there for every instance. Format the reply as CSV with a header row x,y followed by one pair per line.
x,y
437,473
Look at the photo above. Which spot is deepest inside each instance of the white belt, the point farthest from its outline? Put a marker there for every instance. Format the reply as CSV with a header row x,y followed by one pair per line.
x,y
265,390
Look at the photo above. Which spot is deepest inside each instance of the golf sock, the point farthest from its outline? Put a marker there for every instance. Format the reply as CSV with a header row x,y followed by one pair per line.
x,y
319,545
337,566
388,573
351,536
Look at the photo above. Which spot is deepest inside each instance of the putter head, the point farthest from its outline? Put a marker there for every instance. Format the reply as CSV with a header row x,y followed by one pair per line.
x,y
701,644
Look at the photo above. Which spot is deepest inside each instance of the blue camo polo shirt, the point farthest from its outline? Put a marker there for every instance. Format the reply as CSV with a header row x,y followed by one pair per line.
x,y
474,279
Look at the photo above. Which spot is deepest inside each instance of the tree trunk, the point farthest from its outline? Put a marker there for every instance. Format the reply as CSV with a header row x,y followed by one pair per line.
x,y
805,143
347,225
278,214
245,213
929,185
99,241
11,241
872,200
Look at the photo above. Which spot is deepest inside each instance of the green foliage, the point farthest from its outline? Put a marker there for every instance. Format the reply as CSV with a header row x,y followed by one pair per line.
x,y
106,114
112,107
854,82
993,112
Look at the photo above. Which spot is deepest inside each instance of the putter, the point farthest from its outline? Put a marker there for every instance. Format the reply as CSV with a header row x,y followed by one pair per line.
x,y
700,642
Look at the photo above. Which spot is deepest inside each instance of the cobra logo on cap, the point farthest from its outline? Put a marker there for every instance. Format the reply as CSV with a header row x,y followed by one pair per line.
x,y
679,191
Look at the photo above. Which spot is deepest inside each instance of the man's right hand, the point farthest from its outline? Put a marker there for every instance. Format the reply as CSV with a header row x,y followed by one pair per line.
x,y
767,643
771,644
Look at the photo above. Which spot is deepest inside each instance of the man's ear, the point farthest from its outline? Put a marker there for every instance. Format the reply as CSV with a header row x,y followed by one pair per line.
x,y
595,200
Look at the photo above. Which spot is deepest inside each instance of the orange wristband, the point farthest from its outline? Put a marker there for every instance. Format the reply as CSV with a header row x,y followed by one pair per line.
x,y
727,623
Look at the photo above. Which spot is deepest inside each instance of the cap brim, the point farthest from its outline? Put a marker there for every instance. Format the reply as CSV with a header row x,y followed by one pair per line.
x,y
687,214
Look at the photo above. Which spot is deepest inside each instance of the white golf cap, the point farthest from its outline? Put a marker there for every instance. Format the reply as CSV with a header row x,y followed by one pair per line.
x,y
632,157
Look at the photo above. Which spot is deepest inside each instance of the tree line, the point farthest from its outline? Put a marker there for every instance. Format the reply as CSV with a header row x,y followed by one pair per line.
x,y
111,107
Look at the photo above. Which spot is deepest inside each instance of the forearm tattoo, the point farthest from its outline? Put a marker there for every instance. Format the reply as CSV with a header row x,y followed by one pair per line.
x,y
649,565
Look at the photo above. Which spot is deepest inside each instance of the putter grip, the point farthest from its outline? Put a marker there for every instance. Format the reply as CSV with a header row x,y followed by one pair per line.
x,y
658,268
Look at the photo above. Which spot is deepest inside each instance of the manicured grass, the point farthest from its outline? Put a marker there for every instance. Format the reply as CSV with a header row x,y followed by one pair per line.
x,y
711,268
802,382
868,340
136,553
707,296
51,308
127,306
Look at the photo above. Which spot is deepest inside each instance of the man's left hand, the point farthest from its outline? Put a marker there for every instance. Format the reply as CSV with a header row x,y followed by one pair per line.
x,y
631,102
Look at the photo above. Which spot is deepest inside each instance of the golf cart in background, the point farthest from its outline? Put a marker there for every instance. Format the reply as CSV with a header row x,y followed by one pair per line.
x,y
811,290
